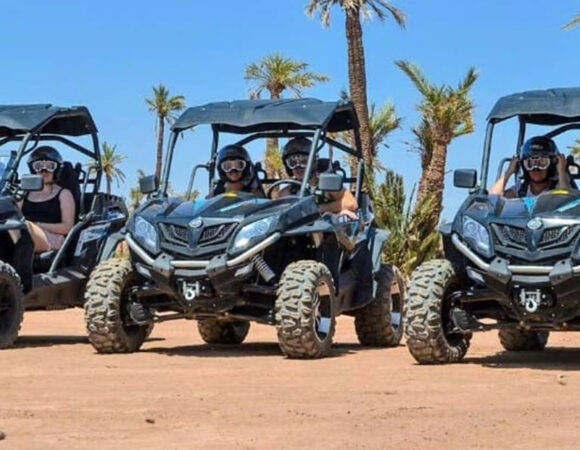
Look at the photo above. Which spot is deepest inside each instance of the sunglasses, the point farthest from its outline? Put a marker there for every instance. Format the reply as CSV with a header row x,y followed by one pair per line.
x,y
230,165
537,163
46,165
297,161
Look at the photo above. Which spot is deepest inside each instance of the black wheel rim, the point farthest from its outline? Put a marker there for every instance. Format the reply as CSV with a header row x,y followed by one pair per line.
x,y
396,312
452,337
8,307
130,327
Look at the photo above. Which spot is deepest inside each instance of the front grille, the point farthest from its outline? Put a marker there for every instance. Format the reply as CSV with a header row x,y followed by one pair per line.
x,y
216,233
509,236
174,233
552,237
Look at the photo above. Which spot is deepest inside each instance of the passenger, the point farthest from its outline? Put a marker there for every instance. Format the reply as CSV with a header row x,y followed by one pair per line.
x,y
543,167
236,171
50,213
295,158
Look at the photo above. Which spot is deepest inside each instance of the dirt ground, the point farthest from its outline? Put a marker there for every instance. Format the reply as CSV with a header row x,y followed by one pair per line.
x,y
55,392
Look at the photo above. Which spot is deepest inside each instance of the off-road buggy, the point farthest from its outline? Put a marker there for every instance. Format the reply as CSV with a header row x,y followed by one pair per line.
x,y
54,279
510,264
234,258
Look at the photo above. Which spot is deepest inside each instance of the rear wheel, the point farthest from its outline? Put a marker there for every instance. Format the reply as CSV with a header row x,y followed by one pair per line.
x,y
516,339
218,332
380,323
431,335
305,310
11,305
109,326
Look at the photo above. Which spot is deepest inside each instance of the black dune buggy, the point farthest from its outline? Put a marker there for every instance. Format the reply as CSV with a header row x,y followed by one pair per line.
x,y
234,258
511,264
54,279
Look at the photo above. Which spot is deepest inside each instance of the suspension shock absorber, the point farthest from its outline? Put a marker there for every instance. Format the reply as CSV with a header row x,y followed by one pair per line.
x,y
263,268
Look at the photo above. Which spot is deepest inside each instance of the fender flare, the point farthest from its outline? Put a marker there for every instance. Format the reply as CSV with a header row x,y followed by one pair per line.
x,y
110,245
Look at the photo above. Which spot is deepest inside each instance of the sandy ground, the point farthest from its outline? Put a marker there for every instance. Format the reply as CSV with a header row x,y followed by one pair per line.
x,y
55,392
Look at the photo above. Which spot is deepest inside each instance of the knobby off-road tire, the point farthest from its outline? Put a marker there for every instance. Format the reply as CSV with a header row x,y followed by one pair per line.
x,y
11,305
427,315
516,340
218,332
305,310
106,314
380,324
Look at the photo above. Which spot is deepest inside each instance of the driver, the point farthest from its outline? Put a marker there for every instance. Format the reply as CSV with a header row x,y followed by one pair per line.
x,y
543,167
295,158
50,213
236,171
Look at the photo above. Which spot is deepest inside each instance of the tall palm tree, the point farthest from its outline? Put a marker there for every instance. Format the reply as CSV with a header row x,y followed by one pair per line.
x,y
355,10
573,23
110,161
135,193
163,105
447,113
276,73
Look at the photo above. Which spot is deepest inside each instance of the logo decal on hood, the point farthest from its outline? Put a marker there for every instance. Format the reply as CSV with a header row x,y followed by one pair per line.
x,y
530,202
196,223
535,224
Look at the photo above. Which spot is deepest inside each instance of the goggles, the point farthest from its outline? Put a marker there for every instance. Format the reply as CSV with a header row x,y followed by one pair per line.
x,y
537,163
229,165
296,161
47,165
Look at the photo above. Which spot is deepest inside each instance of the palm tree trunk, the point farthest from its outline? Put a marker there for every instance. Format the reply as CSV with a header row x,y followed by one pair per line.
x,y
108,186
161,131
357,79
271,145
433,178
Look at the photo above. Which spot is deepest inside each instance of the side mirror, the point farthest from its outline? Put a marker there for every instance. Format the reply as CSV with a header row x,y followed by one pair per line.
x,y
465,178
30,183
148,184
330,182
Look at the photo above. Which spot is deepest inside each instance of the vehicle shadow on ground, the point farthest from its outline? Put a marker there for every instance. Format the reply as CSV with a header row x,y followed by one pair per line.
x,y
35,341
554,358
250,349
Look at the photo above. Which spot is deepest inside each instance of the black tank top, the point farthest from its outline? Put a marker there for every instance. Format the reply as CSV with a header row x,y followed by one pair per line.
x,y
44,212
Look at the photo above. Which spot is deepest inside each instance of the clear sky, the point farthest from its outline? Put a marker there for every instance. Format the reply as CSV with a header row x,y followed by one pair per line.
x,y
108,54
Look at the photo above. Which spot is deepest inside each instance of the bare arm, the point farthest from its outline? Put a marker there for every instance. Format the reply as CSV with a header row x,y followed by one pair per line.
x,y
342,202
499,187
563,177
68,213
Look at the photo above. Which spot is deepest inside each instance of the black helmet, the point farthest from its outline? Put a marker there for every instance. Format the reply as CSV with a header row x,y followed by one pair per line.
x,y
299,145
45,153
234,151
540,147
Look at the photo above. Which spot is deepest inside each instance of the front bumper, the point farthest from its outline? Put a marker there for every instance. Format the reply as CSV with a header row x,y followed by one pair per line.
x,y
558,284
219,277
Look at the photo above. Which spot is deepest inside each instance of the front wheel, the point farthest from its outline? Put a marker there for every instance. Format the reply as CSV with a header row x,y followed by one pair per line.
x,y
11,305
305,310
218,332
431,335
380,323
109,326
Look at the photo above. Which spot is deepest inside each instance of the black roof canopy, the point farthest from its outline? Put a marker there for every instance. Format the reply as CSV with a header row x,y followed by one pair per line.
x,y
542,107
20,119
250,116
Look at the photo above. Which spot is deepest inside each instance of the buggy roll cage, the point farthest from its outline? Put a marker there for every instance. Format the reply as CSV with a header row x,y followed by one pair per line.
x,y
30,138
318,132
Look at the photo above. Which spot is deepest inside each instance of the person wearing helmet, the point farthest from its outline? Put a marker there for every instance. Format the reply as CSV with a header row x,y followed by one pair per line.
x,y
295,159
236,171
50,213
544,168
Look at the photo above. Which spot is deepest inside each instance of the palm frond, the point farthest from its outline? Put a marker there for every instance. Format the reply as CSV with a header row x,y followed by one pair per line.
x,y
573,23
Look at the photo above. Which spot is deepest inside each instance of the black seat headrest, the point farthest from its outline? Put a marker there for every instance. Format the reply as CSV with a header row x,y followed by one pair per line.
x,y
68,178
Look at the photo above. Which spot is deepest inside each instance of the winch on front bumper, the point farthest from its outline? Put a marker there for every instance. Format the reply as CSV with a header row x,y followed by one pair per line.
x,y
532,293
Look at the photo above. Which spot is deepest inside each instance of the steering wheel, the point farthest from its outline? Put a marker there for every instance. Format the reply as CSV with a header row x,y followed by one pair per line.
x,y
275,184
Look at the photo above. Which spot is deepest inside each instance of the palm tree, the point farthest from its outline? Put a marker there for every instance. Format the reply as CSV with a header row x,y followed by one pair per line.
x,y
135,193
573,23
413,239
163,105
355,10
447,113
575,147
276,73
110,162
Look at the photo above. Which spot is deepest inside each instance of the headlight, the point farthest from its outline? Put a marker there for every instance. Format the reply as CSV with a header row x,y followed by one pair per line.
x,y
477,235
146,234
252,233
